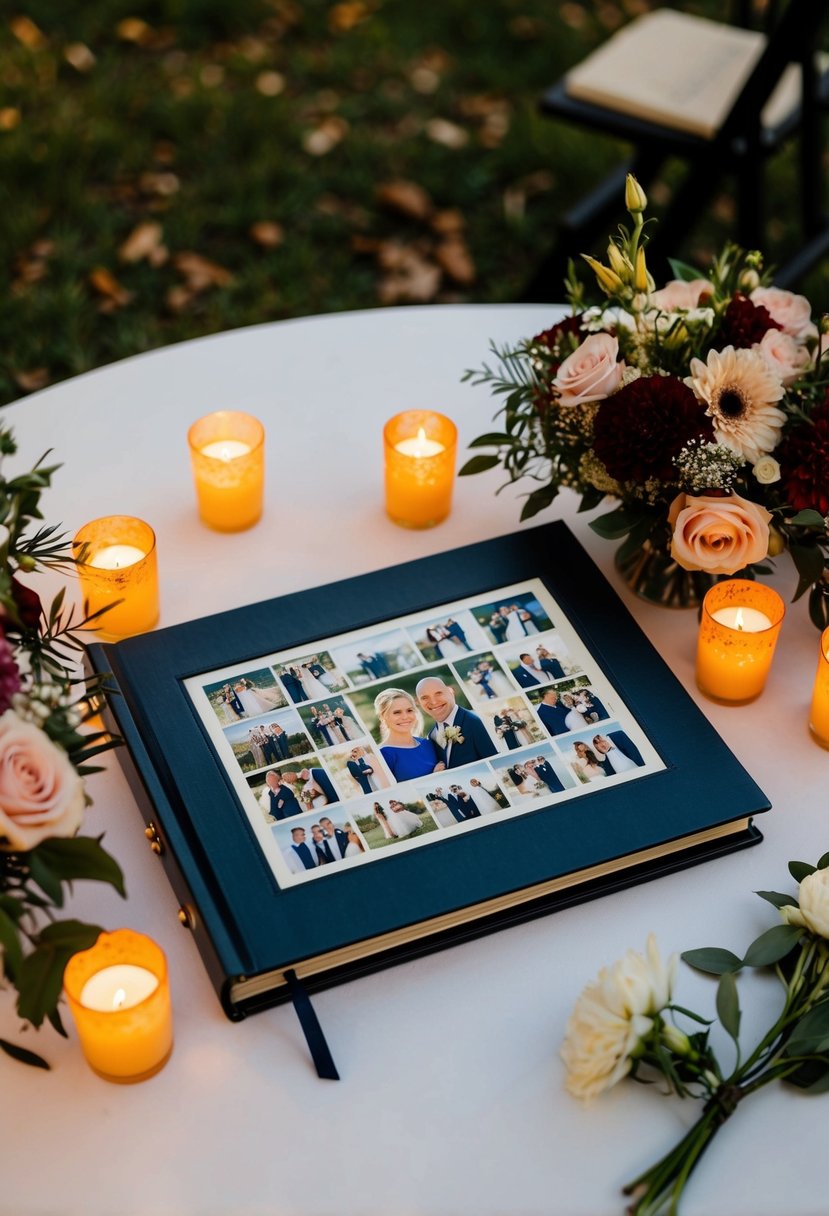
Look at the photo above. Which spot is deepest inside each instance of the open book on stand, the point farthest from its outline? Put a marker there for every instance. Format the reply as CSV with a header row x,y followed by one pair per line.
x,y
351,776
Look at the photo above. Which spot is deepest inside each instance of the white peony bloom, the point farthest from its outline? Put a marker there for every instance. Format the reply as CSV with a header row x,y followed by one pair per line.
x,y
612,1017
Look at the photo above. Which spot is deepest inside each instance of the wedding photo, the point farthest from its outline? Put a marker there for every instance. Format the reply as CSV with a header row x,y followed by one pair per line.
x,y
310,678
520,616
331,722
244,696
597,754
318,841
423,723
267,741
293,788
536,662
512,723
475,794
384,822
450,636
483,678
570,705
535,776
375,658
357,770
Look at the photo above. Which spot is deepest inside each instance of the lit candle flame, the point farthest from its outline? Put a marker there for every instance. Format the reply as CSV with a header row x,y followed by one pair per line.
x,y
738,620
421,435
119,998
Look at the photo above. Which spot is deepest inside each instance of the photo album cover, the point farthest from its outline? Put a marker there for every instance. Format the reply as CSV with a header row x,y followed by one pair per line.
x,y
350,775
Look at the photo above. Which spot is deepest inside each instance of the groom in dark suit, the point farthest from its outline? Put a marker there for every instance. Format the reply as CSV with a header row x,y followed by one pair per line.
x,y
278,799
293,685
455,631
336,836
360,770
459,735
546,773
320,778
616,752
524,673
552,713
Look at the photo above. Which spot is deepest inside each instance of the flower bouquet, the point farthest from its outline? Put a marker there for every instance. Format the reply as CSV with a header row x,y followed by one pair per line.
x,y
625,1024
701,407
44,758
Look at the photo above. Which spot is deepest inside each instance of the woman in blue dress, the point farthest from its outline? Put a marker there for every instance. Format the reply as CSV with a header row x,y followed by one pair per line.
x,y
402,745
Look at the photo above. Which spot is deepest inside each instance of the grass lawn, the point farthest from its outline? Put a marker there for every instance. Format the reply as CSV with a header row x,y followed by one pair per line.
x,y
170,168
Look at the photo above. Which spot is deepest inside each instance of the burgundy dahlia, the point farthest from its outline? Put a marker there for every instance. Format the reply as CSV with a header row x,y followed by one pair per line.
x,y
28,604
744,324
561,339
9,675
804,462
641,429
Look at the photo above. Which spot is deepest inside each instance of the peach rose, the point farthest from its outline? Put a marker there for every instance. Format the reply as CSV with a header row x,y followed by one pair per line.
x,y
786,357
41,794
791,311
718,535
678,294
591,373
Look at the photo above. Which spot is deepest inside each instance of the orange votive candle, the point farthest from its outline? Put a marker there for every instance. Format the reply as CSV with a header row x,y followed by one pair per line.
x,y
420,448
227,451
119,995
737,636
115,557
819,714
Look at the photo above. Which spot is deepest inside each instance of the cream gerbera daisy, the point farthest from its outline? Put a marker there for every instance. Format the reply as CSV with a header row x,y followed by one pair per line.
x,y
740,389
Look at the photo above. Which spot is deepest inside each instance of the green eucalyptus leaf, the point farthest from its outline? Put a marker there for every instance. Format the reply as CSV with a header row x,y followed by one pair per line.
x,y
682,270
809,562
811,1034
779,900
615,524
689,1013
808,519
478,464
81,857
772,945
41,874
23,1055
41,973
538,501
824,862
712,960
800,870
810,1072
56,1022
12,952
728,1005
492,439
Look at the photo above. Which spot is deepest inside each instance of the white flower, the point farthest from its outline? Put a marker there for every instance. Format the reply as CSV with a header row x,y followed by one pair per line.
x,y
766,470
612,1017
740,389
5,536
813,896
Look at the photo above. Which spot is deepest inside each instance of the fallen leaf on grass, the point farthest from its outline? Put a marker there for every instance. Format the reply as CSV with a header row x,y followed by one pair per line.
x,y
410,278
449,134
79,57
407,198
25,31
267,233
113,294
200,273
32,380
326,136
455,260
145,241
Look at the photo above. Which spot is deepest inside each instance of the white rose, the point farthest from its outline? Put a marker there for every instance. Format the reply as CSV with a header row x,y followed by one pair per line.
x,y
41,794
813,897
766,470
591,373
611,1019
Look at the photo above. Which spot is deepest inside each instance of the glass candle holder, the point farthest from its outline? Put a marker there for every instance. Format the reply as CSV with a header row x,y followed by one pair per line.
x,y
118,571
737,635
819,713
420,448
227,452
119,995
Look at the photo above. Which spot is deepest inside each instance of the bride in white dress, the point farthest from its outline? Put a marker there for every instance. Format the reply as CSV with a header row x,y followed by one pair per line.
x,y
517,627
443,641
482,798
315,688
252,702
401,821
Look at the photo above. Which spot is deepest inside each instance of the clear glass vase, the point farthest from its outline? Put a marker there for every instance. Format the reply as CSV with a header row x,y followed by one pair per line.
x,y
651,573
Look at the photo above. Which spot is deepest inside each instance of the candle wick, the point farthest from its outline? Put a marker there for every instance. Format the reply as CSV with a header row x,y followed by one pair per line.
x,y
119,998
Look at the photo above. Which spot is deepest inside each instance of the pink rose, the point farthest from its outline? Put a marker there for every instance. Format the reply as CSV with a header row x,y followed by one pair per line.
x,y
793,312
678,294
591,373
786,357
718,535
41,794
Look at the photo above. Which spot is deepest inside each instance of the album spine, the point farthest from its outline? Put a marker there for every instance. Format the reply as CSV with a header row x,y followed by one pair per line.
x,y
198,910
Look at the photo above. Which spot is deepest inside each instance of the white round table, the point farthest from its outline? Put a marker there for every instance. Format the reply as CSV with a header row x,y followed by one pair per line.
x,y
451,1101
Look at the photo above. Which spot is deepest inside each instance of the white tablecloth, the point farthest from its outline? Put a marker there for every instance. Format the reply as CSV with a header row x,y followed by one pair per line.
x,y
451,1100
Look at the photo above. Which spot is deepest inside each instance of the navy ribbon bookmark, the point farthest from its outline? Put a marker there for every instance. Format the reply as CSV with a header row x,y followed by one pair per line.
x,y
314,1037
